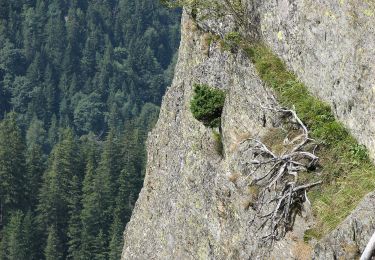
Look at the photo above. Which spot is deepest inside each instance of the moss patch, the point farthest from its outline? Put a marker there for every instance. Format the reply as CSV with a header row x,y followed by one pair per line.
x,y
346,169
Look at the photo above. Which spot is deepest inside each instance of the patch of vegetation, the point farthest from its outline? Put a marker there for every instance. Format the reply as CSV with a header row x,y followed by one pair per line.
x,y
231,42
192,4
212,9
207,105
218,142
310,234
346,169
209,39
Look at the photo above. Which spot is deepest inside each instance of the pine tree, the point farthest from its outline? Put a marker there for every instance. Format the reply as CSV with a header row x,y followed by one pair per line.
x,y
127,194
116,242
35,168
53,247
56,196
16,243
101,246
18,238
108,172
55,31
35,160
90,210
30,232
74,225
99,191
12,167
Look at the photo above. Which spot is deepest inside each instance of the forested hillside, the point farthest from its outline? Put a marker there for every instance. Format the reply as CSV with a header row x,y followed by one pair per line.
x,y
80,87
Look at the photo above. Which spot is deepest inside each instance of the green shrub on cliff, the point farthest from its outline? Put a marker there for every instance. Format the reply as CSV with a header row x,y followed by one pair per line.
x,y
207,105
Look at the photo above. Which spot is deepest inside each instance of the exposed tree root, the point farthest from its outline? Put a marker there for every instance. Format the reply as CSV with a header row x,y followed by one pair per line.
x,y
279,185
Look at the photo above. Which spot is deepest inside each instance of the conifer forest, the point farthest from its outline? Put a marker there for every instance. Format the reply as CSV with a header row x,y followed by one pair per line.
x,y
81,83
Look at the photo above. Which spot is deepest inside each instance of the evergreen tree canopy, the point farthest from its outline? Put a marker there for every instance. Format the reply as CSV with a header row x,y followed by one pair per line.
x,y
80,87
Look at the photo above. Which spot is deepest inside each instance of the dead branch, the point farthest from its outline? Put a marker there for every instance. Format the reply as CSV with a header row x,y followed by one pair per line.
x,y
369,250
285,195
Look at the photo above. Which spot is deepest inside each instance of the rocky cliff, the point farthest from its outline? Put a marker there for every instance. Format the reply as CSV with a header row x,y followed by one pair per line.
x,y
196,203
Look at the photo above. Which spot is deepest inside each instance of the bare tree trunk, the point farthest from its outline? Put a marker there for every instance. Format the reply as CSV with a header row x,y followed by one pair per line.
x,y
369,250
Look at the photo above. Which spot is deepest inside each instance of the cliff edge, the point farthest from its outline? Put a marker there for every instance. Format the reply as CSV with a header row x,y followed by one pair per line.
x,y
196,203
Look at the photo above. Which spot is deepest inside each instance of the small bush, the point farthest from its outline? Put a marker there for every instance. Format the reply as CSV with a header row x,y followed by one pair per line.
x,y
207,105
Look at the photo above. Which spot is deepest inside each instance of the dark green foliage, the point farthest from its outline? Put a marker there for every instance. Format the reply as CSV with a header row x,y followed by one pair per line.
x,y
91,210
12,168
88,113
16,245
50,51
207,105
60,191
80,87
74,223
115,245
20,240
30,232
53,247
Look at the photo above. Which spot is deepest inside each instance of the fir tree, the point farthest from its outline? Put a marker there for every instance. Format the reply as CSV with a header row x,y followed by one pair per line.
x,y
16,244
74,225
58,183
90,213
116,242
12,167
53,249
30,232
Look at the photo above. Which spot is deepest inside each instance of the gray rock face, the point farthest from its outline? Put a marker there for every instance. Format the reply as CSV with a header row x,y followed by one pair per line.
x,y
195,203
